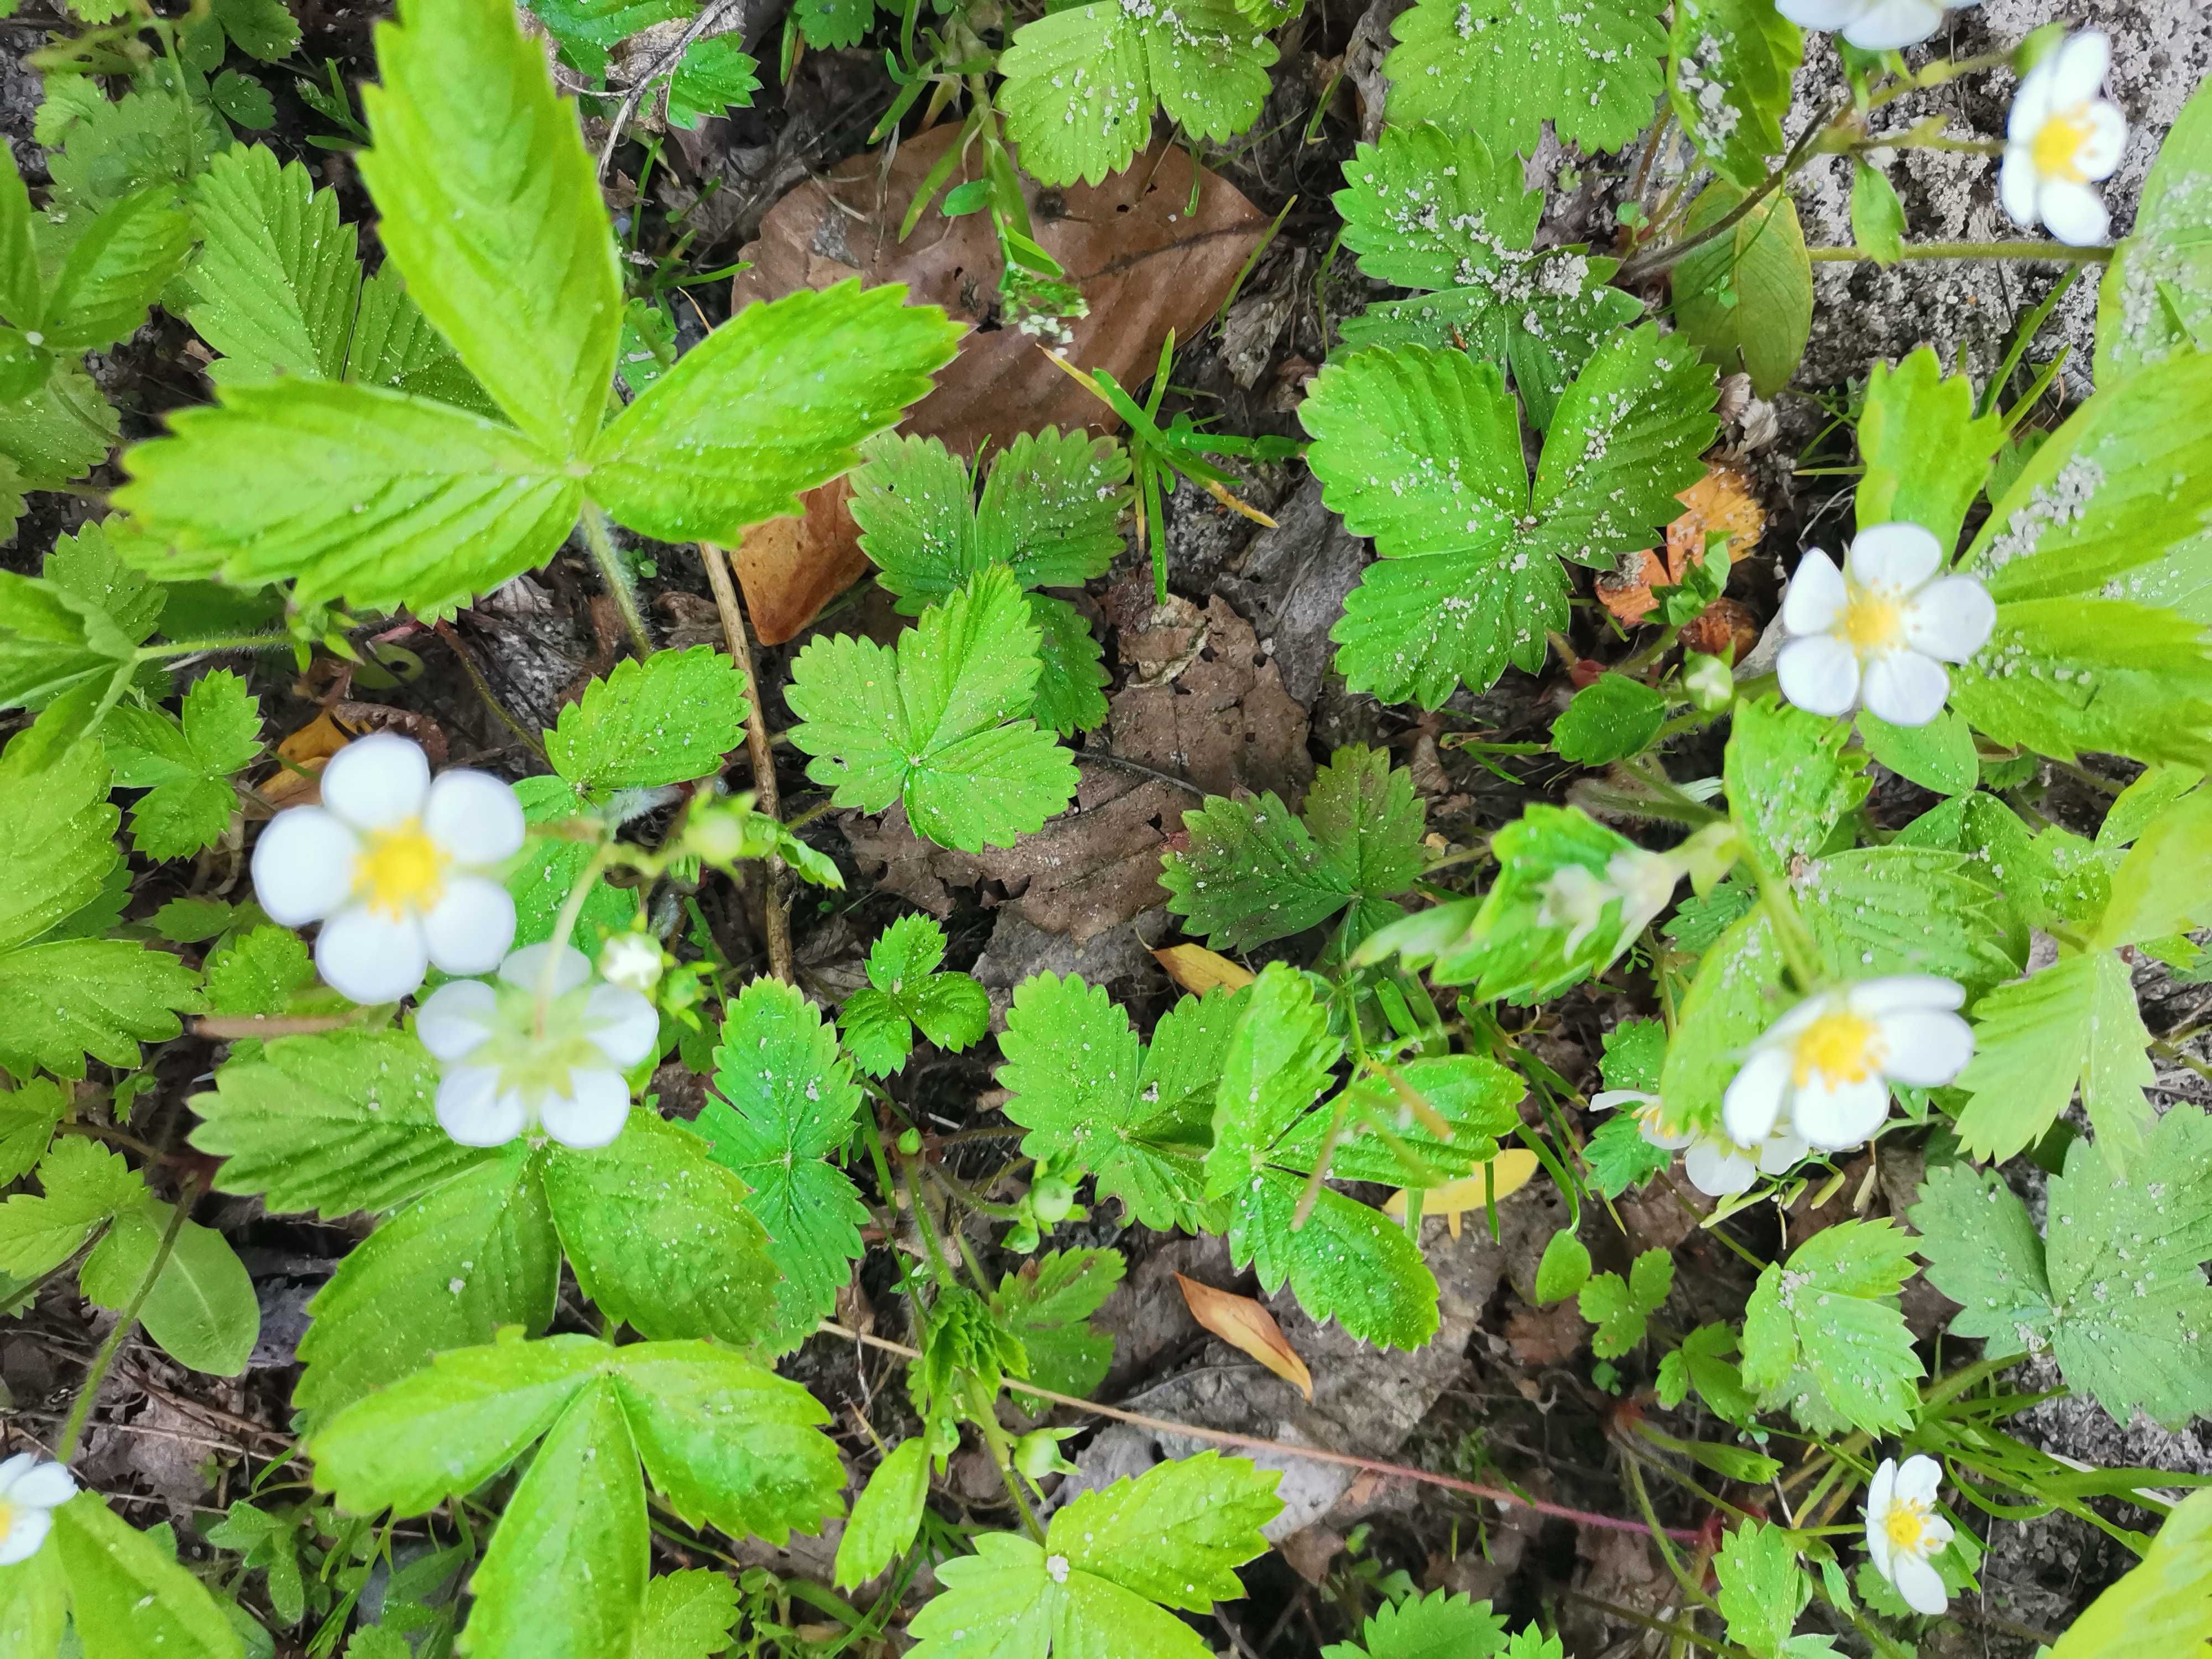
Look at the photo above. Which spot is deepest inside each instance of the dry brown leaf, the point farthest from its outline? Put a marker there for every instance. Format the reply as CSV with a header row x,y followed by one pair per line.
x,y
303,755
1199,970
1247,1326
1145,266
1501,1177
1722,503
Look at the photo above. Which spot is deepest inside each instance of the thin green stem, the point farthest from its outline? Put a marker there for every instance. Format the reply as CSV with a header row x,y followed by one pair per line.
x,y
230,642
564,926
81,1407
616,578
1941,72
2042,252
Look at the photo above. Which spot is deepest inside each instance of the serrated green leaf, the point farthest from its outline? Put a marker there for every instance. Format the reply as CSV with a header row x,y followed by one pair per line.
x,y
1082,83
52,642
1436,1626
936,723
29,1112
1927,455
1620,1308
2063,676
1429,207
185,765
262,28
2164,885
59,432
2160,1605
63,1002
1609,720
1789,780
1729,65
1877,214
904,991
22,292
887,1513
259,973
342,1121
127,1596
1745,298
713,76
1620,1157
1703,1362
1984,1254
1504,68
774,402
2075,1023
1474,1097
202,1308
490,208
84,1185
1176,1534
395,347
784,1102
668,718
1877,910
1009,1598
1071,678
686,1615
116,267
1093,1097
87,567
278,283
1939,755
547,871
1049,1305
2155,302
1761,1591
1830,1317
1634,1051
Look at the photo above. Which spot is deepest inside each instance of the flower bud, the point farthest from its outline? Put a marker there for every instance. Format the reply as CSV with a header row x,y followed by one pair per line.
x,y
1051,1198
631,959
1037,1454
1710,684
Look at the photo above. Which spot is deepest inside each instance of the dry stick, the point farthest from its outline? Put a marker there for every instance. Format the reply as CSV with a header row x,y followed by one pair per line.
x,y
1309,1453
775,910
2057,254
80,1408
642,88
231,1029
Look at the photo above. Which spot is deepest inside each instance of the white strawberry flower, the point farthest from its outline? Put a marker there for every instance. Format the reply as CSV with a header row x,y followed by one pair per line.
x,y
1873,25
31,1490
1903,1530
1575,896
1716,1165
1824,1069
631,959
402,872
1879,630
2061,139
542,1047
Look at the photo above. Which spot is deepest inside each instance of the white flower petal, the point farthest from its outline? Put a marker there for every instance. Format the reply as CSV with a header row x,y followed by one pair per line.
x,y
594,1112
1718,1169
1819,674
1892,24
2031,106
1782,1151
376,782
622,1024
2098,157
1752,1104
26,1530
1842,1115
1881,1490
370,957
1830,15
468,929
2078,67
524,967
1926,1049
474,816
1920,1584
474,1110
1919,1478
1899,555
43,1486
455,1020
2074,213
1891,993
303,866
14,1469
2018,184
1606,1100
1906,689
1950,618
1817,595
1796,1020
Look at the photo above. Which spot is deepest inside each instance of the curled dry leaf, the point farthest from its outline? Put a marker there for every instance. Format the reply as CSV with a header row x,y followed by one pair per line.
x,y
302,756
1199,970
1510,1171
1247,1326
1145,266
1722,503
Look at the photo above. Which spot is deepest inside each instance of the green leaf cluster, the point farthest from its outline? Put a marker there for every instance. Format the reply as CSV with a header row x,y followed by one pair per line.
x,y
906,991
1822,1333
1592,68
101,1587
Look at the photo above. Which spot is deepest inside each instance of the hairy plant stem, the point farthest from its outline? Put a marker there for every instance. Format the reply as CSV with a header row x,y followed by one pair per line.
x,y
2042,252
616,578
232,1028
127,1322
467,658
209,647
775,908
1310,1454
564,926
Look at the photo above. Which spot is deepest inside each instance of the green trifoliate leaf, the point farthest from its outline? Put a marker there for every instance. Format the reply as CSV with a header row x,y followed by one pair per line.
x,y
1504,68
1823,1335
2075,1023
2164,885
259,973
547,871
1094,1098
185,765
939,722
1111,1561
1745,298
666,719
713,76
1729,63
116,267
886,1514
686,1615
1254,871
1082,83
1473,1095
1049,1306
2115,1291
84,1184
904,991
29,1115
774,402
496,223
202,1308
784,1104
1790,781
1436,1626
1620,1308
127,1596
2156,300
1346,1261
1761,1590
1071,678
1703,1362
59,432
53,641
332,1124
374,498
69,999
1927,455
1609,720
2159,1604
1422,451
89,568
395,347
277,281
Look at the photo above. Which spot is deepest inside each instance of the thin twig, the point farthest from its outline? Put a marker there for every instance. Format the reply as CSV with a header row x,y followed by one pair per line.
x,y
775,910
664,62
1285,1448
1654,261
81,1407
1097,758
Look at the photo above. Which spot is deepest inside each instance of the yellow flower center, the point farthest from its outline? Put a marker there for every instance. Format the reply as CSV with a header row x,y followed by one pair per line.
x,y
401,869
7,1517
2057,144
1872,621
1906,1525
1841,1047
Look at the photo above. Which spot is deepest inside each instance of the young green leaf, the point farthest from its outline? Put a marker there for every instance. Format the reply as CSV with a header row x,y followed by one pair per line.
x,y
2155,302
1049,1306
70,1000
1504,68
1436,1626
395,347
713,76
1939,755
185,765
668,718
886,1514
1564,1268
1761,1591
1730,64
1877,215
127,1596
937,722
784,1104
202,1307
2073,1023
1433,206
88,568
1745,298
1611,719
1620,1308
2164,885
259,973
547,871
686,1615
116,267
1927,454
1703,1362
1096,1099
1253,872
84,1185
905,990
1823,1334
1082,83
1790,781
29,1112
58,432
